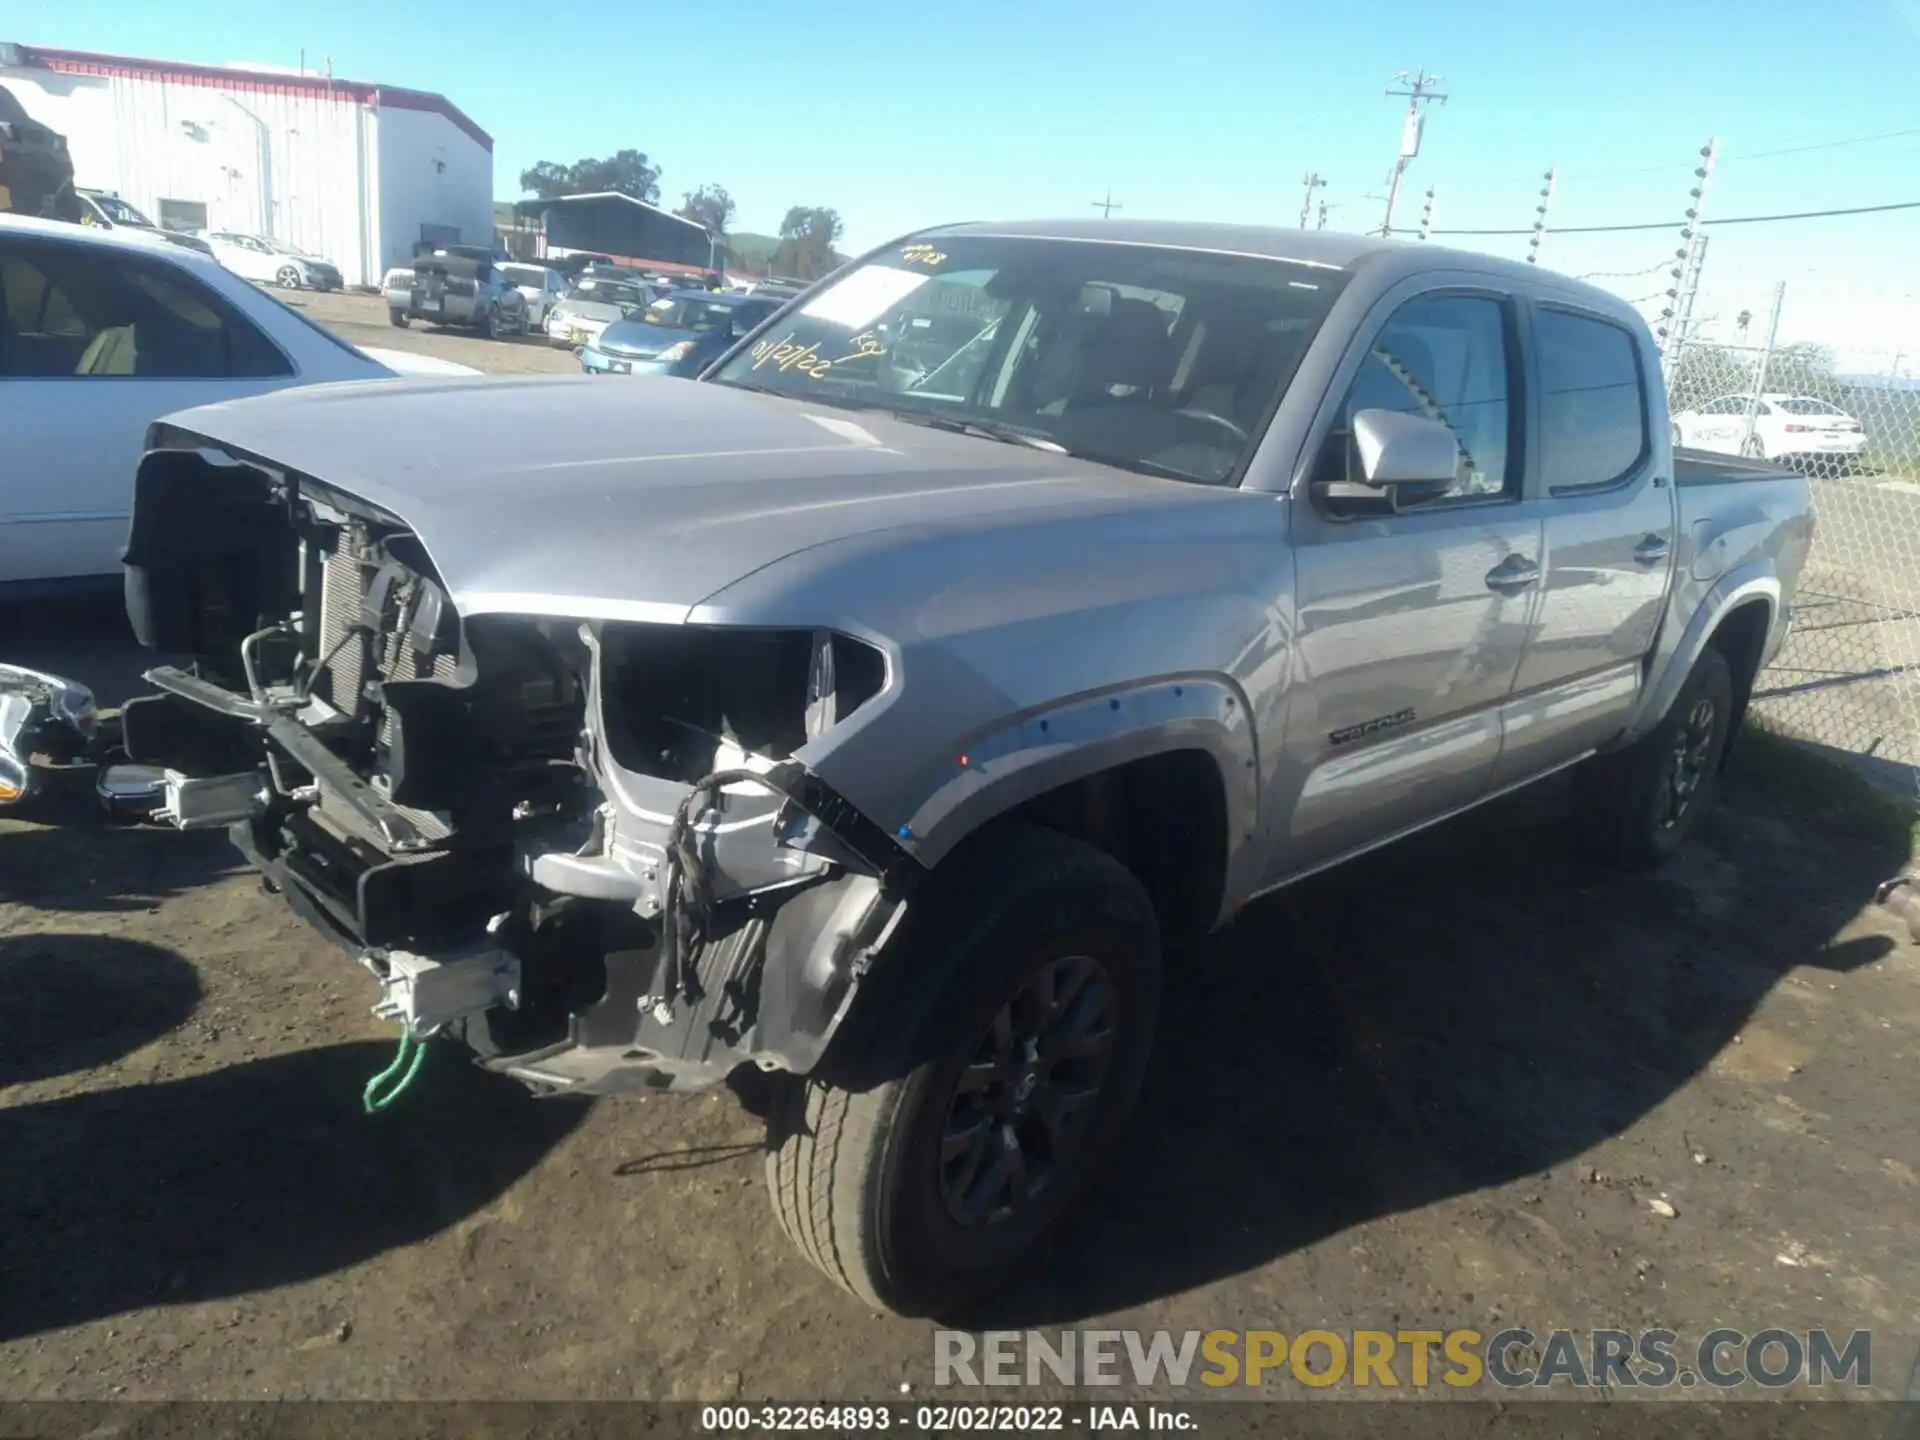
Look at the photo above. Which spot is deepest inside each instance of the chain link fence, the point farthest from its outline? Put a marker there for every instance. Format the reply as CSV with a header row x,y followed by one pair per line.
x,y
1848,677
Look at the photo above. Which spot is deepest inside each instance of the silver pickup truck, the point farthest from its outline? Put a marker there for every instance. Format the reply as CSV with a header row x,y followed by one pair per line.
x,y
870,731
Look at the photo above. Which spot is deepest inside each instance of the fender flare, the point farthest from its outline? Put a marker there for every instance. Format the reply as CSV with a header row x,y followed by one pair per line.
x,y
1038,750
1749,583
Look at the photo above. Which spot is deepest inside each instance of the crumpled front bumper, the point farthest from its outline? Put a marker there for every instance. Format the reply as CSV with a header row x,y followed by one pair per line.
x,y
40,714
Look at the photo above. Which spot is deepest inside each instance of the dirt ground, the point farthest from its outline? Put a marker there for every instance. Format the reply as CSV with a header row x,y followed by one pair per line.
x,y
1437,1088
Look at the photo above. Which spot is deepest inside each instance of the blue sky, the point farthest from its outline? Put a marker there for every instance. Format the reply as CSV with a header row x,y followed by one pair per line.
x,y
906,114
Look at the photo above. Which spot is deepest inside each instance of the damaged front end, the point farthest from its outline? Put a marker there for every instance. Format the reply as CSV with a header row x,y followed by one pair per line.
x,y
583,845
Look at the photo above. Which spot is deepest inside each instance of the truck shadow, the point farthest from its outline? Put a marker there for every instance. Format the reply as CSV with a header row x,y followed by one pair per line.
x,y
250,1177
1464,1009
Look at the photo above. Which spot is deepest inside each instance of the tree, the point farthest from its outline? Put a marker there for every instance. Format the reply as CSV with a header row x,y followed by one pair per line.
x,y
1804,368
625,172
709,207
807,234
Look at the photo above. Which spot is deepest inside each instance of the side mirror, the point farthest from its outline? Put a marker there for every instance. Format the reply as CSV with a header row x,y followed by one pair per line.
x,y
1410,451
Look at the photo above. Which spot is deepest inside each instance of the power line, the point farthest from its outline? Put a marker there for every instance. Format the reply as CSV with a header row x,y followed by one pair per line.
x,y
1728,220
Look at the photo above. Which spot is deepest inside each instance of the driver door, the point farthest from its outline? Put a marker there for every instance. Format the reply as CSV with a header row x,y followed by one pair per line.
x,y
1411,624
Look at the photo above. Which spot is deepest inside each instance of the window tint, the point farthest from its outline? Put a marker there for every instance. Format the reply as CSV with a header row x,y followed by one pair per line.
x,y
1445,358
78,311
1593,413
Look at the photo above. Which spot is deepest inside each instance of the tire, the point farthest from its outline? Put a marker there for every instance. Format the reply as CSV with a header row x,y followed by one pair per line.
x,y
288,278
1753,448
486,327
1679,441
855,1169
1638,805
397,319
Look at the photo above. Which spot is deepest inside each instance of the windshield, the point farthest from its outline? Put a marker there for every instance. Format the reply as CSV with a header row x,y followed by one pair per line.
x,y
119,212
524,275
1154,359
597,291
685,313
1806,405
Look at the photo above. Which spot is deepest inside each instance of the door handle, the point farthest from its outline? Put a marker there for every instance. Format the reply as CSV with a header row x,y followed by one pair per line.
x,y
1512,574
1651,551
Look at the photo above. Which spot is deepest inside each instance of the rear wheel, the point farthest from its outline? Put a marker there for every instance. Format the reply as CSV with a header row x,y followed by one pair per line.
x,y
1027,1000
397,318
1637,805
486,326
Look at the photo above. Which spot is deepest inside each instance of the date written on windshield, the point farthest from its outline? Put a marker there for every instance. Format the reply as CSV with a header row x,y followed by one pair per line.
x,y
786,354
922,255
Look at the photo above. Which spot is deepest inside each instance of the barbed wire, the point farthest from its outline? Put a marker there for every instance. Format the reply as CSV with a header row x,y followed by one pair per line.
x,y
1670,224
1625,274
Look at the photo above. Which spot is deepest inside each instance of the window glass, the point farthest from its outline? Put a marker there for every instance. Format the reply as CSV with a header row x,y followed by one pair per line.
x,y
1593,413
1444,358
78,311
1065,344
1808,405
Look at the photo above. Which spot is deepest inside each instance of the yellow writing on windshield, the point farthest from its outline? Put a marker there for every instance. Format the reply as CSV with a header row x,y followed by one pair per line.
x,y
923,255
865,344
784,354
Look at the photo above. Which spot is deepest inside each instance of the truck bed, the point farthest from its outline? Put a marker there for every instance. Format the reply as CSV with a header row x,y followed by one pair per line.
x,y
1709,467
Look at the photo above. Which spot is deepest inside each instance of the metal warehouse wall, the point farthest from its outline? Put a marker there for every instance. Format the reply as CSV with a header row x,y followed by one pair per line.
x,y
287,163
431,173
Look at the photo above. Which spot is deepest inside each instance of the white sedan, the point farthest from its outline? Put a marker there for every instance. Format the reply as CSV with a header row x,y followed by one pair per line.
x,y
1783,426
272,262
103,335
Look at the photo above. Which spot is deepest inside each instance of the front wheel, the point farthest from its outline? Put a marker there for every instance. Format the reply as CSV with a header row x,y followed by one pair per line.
x,y
1638,804
397,318
485,327
1027,999
1753,448
288,278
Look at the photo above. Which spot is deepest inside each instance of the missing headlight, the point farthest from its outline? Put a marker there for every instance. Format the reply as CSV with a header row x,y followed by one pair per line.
x,y
681,702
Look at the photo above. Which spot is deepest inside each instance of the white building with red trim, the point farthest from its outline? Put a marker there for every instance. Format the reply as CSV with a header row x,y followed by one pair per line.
x,y
354,172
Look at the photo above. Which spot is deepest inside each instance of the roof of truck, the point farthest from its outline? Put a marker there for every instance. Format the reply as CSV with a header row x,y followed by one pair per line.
x,y
1325,249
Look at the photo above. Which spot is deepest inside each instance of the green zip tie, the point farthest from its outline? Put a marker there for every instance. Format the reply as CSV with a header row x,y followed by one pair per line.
x,y
407,1059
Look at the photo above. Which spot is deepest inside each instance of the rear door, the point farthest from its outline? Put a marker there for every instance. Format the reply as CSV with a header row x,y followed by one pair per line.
x,y
1411,625
96,344
1607,503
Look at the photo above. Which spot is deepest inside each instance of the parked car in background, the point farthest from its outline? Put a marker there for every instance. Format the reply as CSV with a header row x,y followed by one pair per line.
x,y
540,287
1785,427
595,301
678,334
571,267
110,212
454,285
879,742
774,286
102,333
267,261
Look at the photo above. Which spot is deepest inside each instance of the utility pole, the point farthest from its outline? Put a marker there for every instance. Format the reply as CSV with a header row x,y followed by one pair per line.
x,y
1540,219
1323,216
1312,182
1107,206
1419,88
1766,359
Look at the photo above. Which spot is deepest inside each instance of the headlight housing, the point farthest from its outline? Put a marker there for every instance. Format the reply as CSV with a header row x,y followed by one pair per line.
x,y
676,352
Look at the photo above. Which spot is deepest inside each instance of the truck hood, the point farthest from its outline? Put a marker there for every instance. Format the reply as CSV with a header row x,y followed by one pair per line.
x,y
564,495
